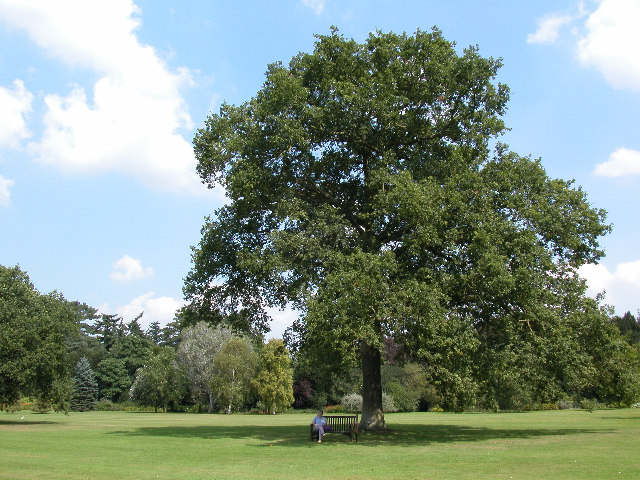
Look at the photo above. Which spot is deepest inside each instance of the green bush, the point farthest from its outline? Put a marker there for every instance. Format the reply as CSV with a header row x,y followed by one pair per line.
x,y
134,407
106,405
11,407
405,399
566,404
406,384
42,405
589,404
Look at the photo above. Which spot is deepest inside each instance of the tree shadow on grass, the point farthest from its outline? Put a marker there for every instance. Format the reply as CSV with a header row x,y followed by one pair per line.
x,y
411,435
403,435
26,423
603,417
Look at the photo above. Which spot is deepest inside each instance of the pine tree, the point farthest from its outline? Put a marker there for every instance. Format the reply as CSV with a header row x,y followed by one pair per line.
x,y
133,327
154,333
85,387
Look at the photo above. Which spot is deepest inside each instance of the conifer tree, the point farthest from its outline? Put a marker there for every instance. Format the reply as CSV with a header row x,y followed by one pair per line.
x,y
154,333
85,387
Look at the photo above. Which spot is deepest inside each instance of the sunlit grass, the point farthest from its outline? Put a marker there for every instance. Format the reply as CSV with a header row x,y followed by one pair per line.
x,y
117,445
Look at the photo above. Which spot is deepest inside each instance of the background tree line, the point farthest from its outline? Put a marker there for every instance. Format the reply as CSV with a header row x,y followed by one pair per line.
x,y
64,355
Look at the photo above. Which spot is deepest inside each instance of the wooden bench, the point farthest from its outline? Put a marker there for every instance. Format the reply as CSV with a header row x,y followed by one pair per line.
x,y
347,424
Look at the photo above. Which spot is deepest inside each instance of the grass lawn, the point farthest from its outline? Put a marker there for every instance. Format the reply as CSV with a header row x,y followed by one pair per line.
x,y
569,444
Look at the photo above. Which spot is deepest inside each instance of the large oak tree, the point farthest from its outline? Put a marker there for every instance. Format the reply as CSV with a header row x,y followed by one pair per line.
x,y
366,188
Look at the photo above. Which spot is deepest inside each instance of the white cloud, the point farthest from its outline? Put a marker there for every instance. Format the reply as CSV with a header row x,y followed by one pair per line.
x,y
281,320
15,103
549,28
156,309
622,286
623,162
5,192
131,123
128,269
612,41
316,5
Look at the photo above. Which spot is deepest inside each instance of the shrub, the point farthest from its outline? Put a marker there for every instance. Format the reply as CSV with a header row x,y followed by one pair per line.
x,y
11,407
334,409
302,394
589,404
387,404
61,394
319,400
566,404
106,405
42,405
431,399
404,398
352,402
134,407
406,384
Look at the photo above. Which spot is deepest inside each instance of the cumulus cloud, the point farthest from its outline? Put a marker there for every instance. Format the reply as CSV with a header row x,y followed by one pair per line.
x,y
611,42
130,121
621,286
316,5
15,103
156,309
549,28
128,269
5,191
624,162
281,320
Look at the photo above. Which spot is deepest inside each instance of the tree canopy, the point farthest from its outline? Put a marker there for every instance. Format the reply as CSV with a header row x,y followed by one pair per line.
x,y
159,382
33,329
196,354
274,379
366,188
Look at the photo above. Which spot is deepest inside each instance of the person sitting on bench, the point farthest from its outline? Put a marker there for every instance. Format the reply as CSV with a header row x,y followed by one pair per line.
x,y
319,424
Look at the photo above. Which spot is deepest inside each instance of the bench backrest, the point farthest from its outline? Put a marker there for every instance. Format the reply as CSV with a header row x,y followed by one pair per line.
x,y
341,422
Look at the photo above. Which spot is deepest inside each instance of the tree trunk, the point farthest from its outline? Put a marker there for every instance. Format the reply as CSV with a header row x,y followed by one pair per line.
x,y
210,409
372,414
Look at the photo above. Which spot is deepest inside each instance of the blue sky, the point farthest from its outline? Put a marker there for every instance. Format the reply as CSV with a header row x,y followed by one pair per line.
x,y
99,102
